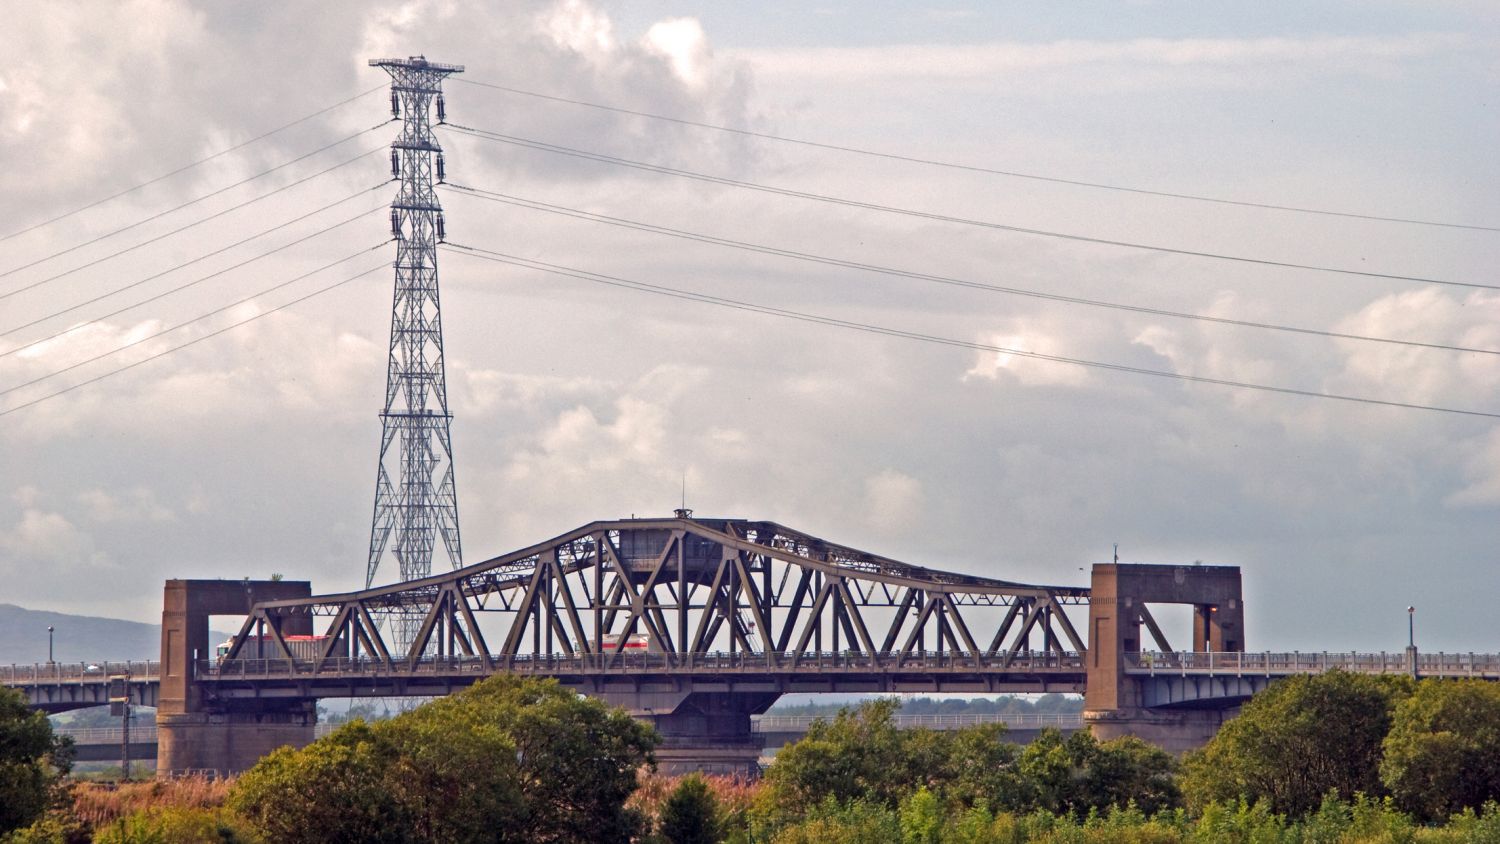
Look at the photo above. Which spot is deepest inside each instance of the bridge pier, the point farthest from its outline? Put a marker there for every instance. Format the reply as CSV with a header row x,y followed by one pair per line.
x,y
231,741
197,734
1175,731
708,732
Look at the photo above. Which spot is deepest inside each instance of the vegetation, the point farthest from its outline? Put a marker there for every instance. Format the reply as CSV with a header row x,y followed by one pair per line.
x,y
1330,758
690,814
32,762
860,761
508,759
1297,741
1443,751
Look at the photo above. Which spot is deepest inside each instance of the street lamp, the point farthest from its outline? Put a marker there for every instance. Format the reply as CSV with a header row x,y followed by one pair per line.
x,y
49,644
1411,641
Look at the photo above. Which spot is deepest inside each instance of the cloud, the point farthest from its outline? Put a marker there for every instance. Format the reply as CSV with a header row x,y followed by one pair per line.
x,y
893,502
130,506
1482,471
42,536
576,401
1209,58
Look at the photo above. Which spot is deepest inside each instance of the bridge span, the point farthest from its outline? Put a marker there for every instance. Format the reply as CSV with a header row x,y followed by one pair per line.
x,y
696,626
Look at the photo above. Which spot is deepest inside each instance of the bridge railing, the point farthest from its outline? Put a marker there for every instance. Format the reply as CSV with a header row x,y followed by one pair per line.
x,y
72,672
1479,665
139,734
629,663
934,721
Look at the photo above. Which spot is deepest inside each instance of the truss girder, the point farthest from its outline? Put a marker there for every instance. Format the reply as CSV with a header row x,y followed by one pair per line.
x,y
680,588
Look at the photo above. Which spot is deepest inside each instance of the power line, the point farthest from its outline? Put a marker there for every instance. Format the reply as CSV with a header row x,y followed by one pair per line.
x,y
191,165
535,205
193,224
943,218
978,169
186,285
735,304
193,201
195,340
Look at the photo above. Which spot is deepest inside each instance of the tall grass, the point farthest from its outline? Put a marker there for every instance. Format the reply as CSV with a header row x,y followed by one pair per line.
x,y
99,804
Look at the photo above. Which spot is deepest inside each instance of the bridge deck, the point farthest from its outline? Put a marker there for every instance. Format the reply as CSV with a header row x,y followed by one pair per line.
x,y
1476,665
782,672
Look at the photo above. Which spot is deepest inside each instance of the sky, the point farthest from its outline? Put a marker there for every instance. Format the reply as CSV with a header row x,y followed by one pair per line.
x,y
253,451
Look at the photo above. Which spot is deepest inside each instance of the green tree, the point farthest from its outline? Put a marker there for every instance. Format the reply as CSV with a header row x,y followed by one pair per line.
x,y
507,760
859,754
333,789
1298,740
690,814
921,818
1443,751
32,762
1079,773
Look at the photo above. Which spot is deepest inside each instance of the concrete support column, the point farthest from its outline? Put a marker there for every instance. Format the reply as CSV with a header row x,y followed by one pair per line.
x,y
1175,731
701,731
230,742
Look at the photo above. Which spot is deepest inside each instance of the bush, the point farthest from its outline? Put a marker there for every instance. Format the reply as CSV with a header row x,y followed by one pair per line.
x,y
690,814
509,759
1298,740
177,825
32,762
1443,751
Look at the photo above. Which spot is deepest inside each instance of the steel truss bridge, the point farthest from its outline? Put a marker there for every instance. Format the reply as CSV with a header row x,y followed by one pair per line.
x,y
698,626
727,601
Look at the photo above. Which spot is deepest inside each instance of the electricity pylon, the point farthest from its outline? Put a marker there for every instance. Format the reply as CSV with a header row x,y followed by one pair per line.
x,y
413,504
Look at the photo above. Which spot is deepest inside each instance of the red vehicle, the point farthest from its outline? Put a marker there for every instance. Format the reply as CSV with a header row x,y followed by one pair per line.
x,y
637,643
302,647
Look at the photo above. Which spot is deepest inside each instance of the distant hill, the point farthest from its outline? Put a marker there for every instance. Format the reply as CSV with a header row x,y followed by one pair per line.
x,y
77,638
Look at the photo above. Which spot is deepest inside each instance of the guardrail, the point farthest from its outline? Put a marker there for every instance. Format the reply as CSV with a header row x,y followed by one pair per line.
x,y
64,672
637,663
139,733
1485,666
948,721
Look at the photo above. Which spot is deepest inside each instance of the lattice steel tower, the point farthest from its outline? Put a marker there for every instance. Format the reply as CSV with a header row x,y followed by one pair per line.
x,y
413,507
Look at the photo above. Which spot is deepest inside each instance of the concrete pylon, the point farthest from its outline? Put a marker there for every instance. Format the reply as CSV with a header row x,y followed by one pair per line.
x,y
1118,599
198,734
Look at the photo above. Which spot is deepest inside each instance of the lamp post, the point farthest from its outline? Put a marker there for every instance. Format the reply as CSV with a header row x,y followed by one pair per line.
x,y
49,645
1411,640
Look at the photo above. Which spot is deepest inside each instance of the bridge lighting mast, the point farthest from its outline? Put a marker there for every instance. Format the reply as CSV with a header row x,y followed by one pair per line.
x,y
416,499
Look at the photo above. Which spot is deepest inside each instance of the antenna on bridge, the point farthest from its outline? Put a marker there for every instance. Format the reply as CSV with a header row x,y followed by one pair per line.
x,y
411,500
683,512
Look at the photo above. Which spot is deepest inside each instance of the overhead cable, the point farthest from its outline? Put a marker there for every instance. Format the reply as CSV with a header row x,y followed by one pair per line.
x,y
943,218
662,290
535,205
193,224
971,168
186,285
195,340
191,165
193,201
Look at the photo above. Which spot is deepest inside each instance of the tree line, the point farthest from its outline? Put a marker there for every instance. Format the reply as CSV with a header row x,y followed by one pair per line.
x,y
1331,757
